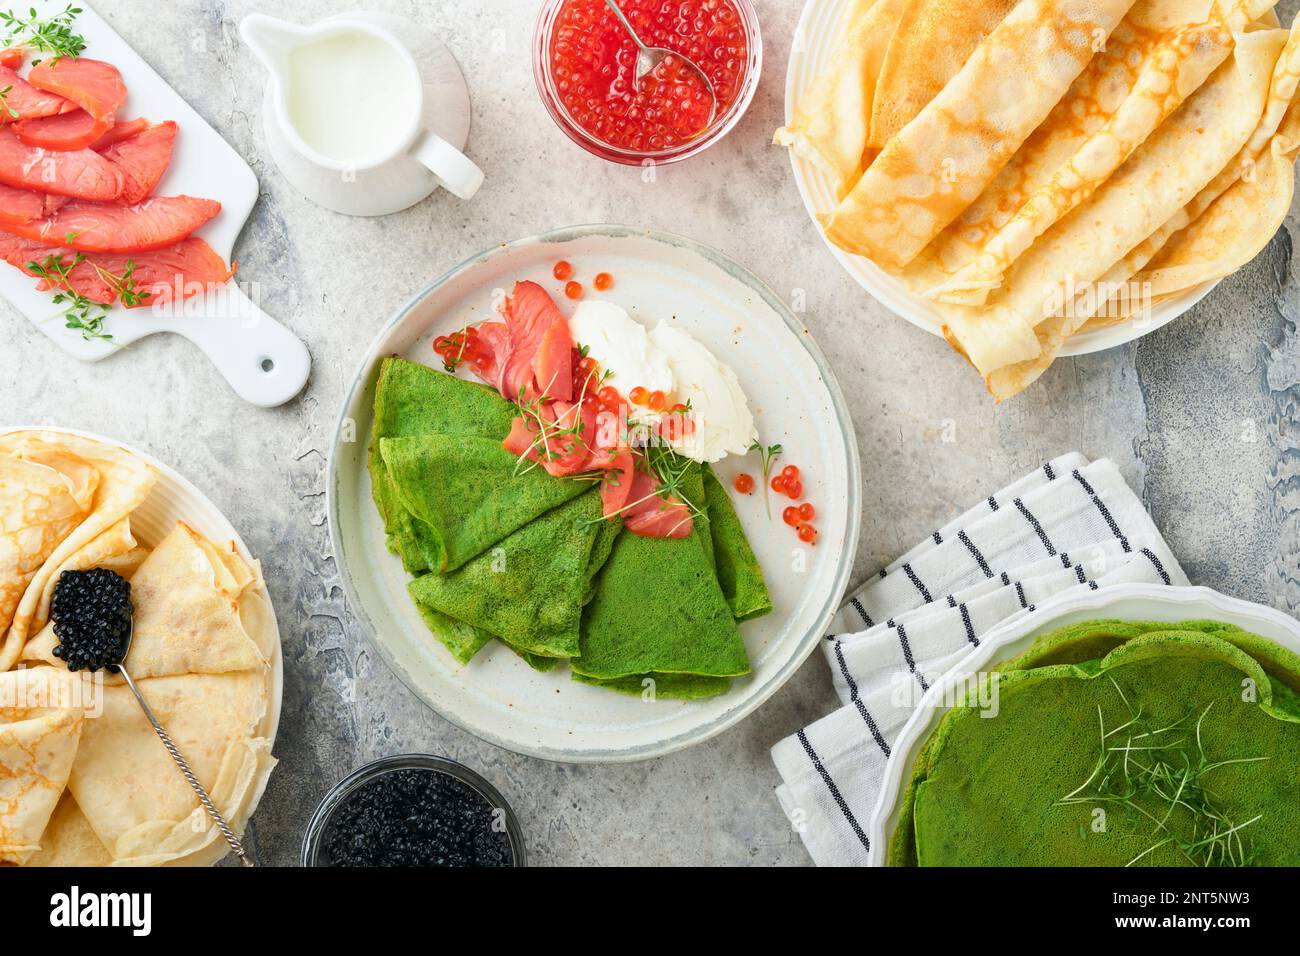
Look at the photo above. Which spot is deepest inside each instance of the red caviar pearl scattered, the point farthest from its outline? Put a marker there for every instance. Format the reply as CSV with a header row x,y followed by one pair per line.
x,y
573,290
807,512
639,396
563,270
807,534
790,516
744,484
603,281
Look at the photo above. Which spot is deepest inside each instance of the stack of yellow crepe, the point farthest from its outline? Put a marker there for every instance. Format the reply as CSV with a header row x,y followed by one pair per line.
x,y
84,781
1038,167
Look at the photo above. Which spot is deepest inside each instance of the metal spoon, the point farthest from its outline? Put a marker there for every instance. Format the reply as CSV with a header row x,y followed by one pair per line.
x,y
181,762
648,59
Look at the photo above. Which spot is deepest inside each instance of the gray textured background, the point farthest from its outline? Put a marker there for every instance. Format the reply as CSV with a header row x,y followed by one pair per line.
x,y
1201,417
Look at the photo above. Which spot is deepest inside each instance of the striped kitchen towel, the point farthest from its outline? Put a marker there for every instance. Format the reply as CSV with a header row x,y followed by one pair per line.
x,y
1070,524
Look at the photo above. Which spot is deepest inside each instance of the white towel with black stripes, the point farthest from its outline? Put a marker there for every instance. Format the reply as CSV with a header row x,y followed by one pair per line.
x,y
1070,524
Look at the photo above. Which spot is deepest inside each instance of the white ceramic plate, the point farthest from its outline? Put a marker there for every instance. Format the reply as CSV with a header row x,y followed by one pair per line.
x,y
814,43
262,360
1136,602
174,499
796,403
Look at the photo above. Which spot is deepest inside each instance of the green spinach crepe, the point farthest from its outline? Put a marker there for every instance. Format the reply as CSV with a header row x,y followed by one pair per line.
x,y
500,551
1117,743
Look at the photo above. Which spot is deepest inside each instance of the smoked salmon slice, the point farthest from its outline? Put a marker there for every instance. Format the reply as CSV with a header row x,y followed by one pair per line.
x,y
530,313
98,227
652,516
12,57
22,206
142,157
79,173
120,131
178,272
24,101
75,130
93,85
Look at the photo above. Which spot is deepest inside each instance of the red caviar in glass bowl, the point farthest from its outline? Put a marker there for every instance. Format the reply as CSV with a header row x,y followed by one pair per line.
x,y
584,62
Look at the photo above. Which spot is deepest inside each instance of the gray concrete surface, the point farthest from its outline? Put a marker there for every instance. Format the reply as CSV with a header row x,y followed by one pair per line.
x,y
1202,416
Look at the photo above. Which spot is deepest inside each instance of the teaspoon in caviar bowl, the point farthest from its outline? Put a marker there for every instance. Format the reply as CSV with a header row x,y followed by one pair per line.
x,y
648,59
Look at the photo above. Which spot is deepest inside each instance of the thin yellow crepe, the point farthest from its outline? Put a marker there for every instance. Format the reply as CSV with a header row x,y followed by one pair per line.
x,y
124,483
831,124
131,792
187,599
69,840
941,161
41,719
1013,340
1173,70
1281,96
40,505
933,41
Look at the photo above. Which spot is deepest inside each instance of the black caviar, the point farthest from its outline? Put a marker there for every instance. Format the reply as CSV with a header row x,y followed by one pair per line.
x,y
416,818
92,619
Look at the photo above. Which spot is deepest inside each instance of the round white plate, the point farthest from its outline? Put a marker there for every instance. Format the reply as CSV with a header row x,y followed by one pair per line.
x,y
796,403
814,44
175,499
1134,602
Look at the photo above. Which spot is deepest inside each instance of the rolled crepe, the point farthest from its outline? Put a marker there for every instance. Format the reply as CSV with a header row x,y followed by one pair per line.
x,y
41,502
124,483
1016,338
69,839
42,713
125,783
831,124
933,41
1174,69
187,600
941,162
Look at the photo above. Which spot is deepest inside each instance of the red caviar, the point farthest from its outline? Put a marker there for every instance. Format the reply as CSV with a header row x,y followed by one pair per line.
x,y
563,270
744,484
807,534
791,516
593,64
603,281
573,290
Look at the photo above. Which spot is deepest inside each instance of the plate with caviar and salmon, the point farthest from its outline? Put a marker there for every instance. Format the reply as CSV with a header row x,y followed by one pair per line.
x,y
120,206
595,494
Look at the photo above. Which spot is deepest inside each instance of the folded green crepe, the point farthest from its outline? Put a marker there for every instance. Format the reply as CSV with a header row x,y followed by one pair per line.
x,y
464,494
739,573
529,590
1184,708
658,610
413,399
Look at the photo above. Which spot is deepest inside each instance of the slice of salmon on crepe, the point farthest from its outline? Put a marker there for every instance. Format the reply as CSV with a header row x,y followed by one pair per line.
x,y
933,41
940,163
1177,61
1179,160
831,126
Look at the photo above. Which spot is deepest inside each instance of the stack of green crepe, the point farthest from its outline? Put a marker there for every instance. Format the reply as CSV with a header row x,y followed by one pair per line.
x,y
503,550
1201,723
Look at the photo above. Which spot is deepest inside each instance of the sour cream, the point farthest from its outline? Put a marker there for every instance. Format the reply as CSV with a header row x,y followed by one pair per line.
x,y
622,348
724,424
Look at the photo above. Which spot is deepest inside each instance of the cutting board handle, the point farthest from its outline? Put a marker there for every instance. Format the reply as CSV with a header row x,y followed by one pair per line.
x,y
264,362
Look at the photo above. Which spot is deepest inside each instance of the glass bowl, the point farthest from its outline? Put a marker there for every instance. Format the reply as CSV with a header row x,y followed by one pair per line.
x,y
722,124
312,843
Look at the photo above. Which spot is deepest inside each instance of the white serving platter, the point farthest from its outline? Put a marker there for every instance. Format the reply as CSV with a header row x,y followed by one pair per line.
x,y
264,362
814,44
1134,602
174,498
796,402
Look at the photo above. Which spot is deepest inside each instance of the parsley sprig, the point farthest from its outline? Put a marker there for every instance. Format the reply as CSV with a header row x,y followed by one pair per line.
x,y
80,313
46,35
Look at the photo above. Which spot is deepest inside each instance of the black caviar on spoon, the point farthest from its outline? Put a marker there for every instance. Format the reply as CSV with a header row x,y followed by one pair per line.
x,y
93,621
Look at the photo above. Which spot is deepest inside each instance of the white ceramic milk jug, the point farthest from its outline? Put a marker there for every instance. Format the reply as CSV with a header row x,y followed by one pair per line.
x,y
347,98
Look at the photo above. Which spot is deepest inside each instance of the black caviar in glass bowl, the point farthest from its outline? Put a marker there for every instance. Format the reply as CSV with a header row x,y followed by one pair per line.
x,y
414,810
